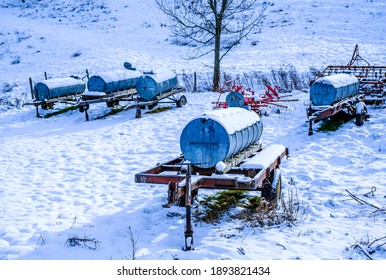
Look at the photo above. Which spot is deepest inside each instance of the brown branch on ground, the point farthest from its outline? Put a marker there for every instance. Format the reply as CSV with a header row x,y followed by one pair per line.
x,y
363,202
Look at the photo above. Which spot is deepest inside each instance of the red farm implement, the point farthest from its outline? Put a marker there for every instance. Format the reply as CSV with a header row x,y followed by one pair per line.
x,y
239,96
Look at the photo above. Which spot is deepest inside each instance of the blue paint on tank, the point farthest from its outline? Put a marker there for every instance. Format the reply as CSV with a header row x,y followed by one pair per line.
x,y
235,99
114,81
58,88
155,83
331,89
218,135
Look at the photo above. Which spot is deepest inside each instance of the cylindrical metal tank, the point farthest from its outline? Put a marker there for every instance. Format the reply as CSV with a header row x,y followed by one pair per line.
x,y
113,81
235,99
155,83
59,87
330,89
218,135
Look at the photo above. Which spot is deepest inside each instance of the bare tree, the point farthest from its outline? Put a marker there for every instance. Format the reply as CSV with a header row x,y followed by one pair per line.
x,y
213,25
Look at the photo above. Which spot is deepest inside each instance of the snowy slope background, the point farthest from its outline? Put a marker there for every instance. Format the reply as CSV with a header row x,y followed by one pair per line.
x,y
63,177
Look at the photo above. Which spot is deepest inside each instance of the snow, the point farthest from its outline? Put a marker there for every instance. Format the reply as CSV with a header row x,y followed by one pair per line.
x,y
63,177
338,80
61,82
162,75
265,158
360,108
232,119
118,75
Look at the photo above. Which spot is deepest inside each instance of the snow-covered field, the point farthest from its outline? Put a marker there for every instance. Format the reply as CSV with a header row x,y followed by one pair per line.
x,y
63,177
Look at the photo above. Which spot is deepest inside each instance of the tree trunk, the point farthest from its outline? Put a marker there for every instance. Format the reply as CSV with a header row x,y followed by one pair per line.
x,y
216,66
216,73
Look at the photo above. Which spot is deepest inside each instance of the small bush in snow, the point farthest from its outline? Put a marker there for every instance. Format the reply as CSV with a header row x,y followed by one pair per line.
x,y
85,242
16,60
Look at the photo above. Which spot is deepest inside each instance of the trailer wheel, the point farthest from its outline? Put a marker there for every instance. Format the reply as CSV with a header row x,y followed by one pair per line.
x,y
360,115
151,106
182,201
351,111
359,119
84,107
138,114
47,105
271,188
112,103
182,101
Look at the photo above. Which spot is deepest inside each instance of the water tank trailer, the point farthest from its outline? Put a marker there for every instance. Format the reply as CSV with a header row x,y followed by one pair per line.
x,y
154,83
333,94
331,89
230,135
114,81
57,88
217,135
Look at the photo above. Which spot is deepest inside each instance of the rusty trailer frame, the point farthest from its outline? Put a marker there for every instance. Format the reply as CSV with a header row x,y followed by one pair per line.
x,y
131,96
317,113
184,179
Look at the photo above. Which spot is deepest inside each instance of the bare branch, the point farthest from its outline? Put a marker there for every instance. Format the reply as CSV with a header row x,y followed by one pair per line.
x,y
363,202
363,251
376,240
213,25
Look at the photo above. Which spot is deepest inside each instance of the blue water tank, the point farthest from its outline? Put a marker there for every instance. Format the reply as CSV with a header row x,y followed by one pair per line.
x,y
114,81
155,83
330,89
57,88
218,135
234,99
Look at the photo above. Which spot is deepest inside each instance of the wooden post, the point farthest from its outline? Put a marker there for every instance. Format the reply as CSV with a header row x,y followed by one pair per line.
x,y
194,82
31,88
45,75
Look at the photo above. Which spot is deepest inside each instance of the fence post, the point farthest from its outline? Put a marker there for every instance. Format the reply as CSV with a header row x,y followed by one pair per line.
x,y
194,82
31,88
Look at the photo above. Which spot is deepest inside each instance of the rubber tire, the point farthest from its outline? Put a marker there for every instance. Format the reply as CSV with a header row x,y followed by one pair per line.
x,y
182,101
47,105
138,114
359,119
151,106
84,107
112,103
271,191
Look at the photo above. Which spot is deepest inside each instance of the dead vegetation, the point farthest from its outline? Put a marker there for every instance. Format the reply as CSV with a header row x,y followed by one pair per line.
x,y
287,77
253,210
369,247
85,242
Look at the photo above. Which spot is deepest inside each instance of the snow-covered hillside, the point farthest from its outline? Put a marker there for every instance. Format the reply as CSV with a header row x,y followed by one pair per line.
x,y
63,177
65,38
